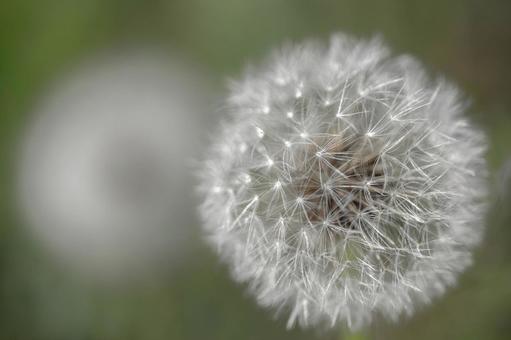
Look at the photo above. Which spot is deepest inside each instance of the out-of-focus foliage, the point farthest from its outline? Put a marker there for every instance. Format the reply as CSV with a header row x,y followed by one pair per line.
x,y
469,41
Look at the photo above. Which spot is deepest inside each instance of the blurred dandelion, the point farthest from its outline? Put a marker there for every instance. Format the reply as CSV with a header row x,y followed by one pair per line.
x,y
103,172
346,183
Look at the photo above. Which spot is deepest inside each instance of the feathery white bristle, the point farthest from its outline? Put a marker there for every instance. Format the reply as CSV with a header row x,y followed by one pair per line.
x,y
366,184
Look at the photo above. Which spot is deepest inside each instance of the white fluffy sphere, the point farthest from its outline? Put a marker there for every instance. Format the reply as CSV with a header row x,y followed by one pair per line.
x,y
345,184
104,169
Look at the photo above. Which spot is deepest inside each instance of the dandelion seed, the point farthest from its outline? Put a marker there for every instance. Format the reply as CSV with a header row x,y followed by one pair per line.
x,y
246,178
260,132
384,193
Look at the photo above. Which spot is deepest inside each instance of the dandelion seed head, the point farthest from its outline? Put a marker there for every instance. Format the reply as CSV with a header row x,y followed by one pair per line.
x,y
102,179
378,204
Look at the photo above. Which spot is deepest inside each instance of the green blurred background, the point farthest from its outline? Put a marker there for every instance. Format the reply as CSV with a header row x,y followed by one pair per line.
x,y
468,41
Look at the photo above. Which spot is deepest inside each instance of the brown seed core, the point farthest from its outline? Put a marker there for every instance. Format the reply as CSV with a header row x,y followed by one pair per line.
x,y
345,178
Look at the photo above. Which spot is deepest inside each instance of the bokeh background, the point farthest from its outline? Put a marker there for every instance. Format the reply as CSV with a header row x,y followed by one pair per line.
x,y
40,40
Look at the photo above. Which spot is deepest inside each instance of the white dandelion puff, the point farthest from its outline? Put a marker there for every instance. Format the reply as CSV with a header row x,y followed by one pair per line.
x,y
374,196
102,170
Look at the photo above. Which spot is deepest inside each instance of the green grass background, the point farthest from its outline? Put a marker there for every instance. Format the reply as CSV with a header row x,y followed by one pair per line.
x,y
468,41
